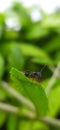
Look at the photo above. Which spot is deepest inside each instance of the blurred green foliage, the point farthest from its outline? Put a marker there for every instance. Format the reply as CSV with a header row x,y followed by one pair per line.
x,y
29,45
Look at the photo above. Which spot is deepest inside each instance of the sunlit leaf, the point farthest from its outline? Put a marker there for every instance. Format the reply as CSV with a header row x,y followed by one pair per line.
x,y
2,18
39,126
32,90
51,22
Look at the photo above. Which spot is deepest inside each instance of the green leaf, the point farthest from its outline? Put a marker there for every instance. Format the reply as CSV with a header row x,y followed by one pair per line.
x,y
11,34
32,125
1,66
4,49
2,18
25,125
22,13
42,60
54,99
39,55
32,90
51,22
12,122
39,126
2,118
53,45
57,56
15,57
36,31
2,94
33,50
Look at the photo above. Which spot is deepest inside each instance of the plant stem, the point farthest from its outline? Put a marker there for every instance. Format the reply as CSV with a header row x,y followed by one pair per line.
x,y
18,96
8,108
50,121
29,114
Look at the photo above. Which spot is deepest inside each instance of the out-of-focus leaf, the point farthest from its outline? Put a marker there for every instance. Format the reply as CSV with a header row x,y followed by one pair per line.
x,y
42,28
53,45
2,18
39,126
25,125
12,122
3,116
57,56
36,31
32,125
2,24
1,66
42,60
2,94
15,57
32,90
11,34
51,22
54,99
31,50
44,83
40,56
4,49
34,51
22,13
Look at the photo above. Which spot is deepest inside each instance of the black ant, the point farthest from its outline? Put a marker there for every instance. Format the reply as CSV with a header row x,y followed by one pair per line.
x,y
34,75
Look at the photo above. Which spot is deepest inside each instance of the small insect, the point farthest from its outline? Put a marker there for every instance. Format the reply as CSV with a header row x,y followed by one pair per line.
x,y
34,75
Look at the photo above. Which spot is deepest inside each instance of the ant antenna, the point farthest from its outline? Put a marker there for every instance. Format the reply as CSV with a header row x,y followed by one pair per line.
x,y
42,68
